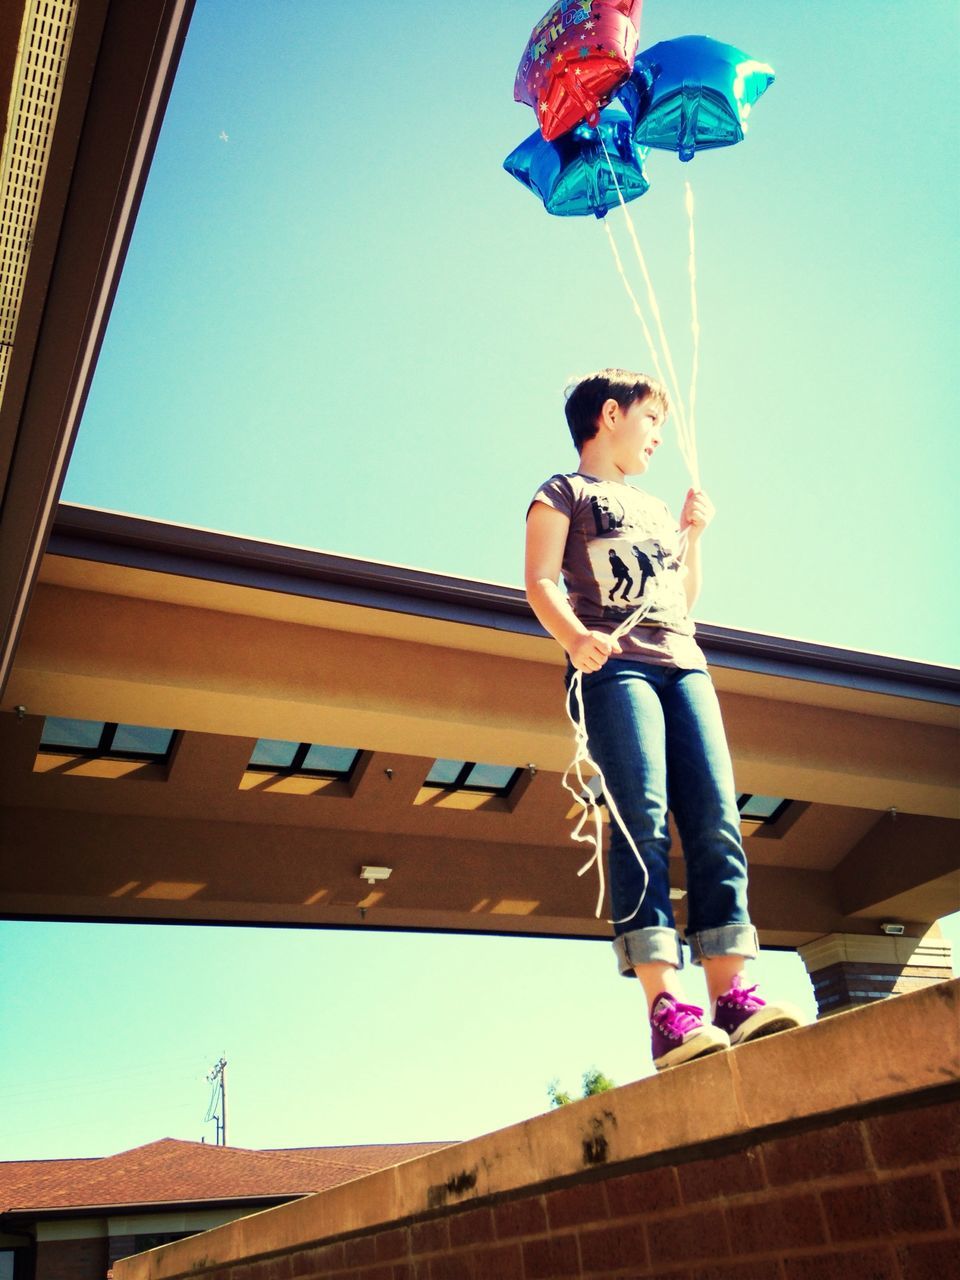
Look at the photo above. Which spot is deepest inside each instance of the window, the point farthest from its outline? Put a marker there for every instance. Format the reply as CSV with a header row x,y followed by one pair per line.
x,y
762,811
592,787
97,739
272,755
467,775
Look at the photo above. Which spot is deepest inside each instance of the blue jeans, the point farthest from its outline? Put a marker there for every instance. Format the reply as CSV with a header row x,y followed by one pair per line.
x,y
657,737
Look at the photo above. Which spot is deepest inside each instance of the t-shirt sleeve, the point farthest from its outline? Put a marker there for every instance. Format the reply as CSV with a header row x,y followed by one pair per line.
x,y
557,492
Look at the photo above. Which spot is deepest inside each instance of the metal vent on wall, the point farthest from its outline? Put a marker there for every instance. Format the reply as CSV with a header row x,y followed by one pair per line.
x,y
34,102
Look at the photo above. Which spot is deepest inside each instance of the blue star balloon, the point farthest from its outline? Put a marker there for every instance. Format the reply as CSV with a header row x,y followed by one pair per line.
x,y
571,174
693,93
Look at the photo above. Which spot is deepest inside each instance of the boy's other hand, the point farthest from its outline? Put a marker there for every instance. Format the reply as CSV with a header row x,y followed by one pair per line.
x,y
590,652
697,512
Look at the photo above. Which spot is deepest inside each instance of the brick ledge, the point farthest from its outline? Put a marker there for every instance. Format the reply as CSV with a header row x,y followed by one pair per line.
x,y
900,1051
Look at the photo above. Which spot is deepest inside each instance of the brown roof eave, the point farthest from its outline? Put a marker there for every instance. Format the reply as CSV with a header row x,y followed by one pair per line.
x,y
21,1216
109,537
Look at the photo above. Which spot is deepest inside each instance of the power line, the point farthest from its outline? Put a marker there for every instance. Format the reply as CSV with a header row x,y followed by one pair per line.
x,y
83,1081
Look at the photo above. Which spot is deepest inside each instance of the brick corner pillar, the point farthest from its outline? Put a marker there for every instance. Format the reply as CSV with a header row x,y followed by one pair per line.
x,y
850,969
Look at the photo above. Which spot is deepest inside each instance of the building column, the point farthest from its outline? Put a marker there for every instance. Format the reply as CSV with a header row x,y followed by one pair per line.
x,y
850,969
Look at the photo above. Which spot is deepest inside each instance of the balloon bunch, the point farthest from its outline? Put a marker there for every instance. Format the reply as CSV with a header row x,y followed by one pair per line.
x,y
682,95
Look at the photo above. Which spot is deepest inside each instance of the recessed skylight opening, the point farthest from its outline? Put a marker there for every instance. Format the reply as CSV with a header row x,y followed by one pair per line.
x,y
594,788
313,759
71,735
444,773
105,739
270,753
468,775
763,810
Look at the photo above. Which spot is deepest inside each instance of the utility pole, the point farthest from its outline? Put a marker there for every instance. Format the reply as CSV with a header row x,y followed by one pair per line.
x,y
217,1110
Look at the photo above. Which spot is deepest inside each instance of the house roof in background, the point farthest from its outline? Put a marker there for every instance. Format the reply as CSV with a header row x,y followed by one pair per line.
x,y
173,1171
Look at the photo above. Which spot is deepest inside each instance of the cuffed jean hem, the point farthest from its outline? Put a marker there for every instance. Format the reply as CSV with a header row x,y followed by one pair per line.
x,y
642,946
724,940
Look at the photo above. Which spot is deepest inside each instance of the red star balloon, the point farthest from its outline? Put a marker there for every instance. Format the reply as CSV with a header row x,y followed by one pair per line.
x,y
579,54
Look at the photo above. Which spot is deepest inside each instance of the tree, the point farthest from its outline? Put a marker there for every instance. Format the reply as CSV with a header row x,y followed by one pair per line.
x,y
594,1082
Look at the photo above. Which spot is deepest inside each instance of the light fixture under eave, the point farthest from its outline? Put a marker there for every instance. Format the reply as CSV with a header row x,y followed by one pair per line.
x,y
373,874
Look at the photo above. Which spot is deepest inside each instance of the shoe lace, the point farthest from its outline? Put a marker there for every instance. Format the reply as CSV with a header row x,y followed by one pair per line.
x,y
684,1016
743,996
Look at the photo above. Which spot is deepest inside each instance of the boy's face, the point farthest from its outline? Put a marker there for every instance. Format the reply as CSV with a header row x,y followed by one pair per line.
x,y
637,431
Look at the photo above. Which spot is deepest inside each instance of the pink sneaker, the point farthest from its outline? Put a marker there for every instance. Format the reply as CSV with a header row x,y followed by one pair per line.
x,y
679,1032
743,1015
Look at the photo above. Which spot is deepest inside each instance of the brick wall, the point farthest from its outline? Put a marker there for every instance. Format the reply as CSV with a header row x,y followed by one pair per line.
x,y
71,1259
875,1198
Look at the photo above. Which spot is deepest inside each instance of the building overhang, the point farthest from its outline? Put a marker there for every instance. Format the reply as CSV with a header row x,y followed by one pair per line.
x,y
118,65
228,640
202,556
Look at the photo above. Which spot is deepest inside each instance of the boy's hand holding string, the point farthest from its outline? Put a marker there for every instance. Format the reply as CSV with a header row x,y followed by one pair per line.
x,y
696,514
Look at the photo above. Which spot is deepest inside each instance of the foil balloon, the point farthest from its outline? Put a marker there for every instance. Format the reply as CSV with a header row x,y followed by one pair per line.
x,y
692,93
579,53
572,175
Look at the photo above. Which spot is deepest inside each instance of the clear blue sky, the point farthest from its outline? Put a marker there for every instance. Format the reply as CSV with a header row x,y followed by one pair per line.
x,y
343,326
346,327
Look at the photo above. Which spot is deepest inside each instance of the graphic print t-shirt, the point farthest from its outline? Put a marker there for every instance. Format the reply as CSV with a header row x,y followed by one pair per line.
x,y
623,550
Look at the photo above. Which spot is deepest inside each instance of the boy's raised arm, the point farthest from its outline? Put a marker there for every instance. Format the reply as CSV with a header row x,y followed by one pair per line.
x,y
697,513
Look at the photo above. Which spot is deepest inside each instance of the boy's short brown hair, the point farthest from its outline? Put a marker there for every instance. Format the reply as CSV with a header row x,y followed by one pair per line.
x,y
587,396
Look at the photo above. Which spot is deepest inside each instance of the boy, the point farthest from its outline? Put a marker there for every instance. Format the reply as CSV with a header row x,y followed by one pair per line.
x,y
650,712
